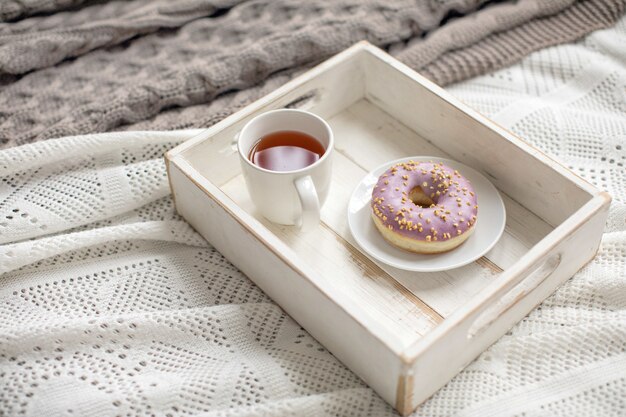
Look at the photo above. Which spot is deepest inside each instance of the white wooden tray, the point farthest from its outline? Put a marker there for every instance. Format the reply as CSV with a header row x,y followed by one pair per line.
x,y
405,333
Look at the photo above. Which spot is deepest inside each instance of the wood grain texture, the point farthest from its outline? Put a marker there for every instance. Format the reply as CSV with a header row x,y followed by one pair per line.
x,y
435,114
279,273
348,271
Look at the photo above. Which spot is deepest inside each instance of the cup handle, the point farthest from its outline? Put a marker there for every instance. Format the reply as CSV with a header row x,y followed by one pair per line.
x,y
309,201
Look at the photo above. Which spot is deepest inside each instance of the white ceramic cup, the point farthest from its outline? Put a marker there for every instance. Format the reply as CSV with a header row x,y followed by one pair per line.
x,y
287,197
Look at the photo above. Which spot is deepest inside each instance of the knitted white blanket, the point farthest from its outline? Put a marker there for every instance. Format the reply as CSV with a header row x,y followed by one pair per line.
x,y
110,304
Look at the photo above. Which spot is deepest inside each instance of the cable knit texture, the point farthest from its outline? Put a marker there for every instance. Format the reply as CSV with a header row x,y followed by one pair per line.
x,y
71,67
110,304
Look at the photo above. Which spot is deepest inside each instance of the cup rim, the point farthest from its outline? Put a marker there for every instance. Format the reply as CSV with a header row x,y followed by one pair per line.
x,y
329,148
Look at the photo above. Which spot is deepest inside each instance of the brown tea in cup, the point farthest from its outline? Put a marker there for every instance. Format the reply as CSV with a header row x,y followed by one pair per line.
x,y
286,150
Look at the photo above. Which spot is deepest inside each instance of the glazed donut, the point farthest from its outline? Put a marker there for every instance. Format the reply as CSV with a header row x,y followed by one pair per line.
x,y
424,207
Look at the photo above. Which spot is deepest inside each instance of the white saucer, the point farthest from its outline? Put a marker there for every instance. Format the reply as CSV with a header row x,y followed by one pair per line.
x,y
488,229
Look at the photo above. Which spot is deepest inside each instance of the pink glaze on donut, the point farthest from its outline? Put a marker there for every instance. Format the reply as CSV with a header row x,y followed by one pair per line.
x,y
455,205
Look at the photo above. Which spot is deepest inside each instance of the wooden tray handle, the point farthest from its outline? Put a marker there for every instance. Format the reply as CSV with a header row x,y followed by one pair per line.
x,y
514,295
305,101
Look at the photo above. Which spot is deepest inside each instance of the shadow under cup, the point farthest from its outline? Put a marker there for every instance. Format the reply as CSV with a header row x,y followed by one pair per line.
x,y
273,192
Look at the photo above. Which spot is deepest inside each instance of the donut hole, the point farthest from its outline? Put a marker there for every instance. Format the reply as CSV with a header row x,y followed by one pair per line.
x,y
420,198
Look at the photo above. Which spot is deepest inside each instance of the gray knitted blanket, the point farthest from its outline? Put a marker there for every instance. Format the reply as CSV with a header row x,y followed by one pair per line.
x,y
78,66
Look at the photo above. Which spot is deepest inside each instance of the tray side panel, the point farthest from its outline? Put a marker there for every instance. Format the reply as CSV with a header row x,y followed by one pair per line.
x,y
547,188
347,339
458,341
324,90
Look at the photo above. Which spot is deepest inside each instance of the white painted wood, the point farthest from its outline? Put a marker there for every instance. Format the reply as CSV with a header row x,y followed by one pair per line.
x,y
438,356
404,333
282,276
344,270
527,174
